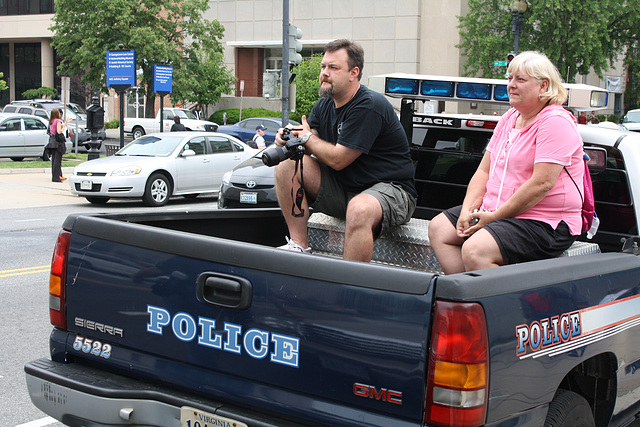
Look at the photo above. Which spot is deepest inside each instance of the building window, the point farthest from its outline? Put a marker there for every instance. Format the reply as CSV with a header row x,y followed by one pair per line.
x,y
27,66
25,7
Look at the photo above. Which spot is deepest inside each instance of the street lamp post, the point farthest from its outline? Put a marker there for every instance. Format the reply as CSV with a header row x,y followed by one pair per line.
x,y
518,8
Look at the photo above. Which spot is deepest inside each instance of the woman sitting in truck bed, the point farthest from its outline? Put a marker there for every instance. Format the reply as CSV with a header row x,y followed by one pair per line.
x,y
521,204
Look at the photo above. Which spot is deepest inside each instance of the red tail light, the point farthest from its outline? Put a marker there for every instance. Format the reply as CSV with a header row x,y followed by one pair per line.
x,y
57,280
484,124
457,386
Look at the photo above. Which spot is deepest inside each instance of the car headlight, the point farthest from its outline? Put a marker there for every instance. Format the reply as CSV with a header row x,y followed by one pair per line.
x,y
226,178
126,171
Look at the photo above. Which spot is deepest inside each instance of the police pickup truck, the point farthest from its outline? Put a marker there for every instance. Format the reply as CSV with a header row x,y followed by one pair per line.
x,y
196,319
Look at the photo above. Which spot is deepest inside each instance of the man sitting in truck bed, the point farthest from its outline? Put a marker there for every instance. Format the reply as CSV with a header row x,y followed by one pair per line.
x,y
362,169
521,203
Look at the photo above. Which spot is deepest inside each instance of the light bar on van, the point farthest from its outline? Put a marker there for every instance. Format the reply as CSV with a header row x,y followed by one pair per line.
x,y
500,93
475,91
422,87
401,86
439,89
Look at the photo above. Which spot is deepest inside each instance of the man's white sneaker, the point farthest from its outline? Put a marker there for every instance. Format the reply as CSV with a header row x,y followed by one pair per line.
x,y
294,247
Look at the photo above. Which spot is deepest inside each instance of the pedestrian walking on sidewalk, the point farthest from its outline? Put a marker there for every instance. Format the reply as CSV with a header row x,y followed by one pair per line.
x,y
57,147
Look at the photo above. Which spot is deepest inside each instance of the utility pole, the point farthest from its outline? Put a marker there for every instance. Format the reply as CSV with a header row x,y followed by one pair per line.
x,y
284,90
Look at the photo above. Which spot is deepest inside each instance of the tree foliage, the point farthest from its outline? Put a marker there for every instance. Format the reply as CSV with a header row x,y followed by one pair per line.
x,y
576,36
172,32
3,84
42,92
307,85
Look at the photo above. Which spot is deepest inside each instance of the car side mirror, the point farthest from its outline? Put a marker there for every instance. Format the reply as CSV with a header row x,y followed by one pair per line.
x,y
188,153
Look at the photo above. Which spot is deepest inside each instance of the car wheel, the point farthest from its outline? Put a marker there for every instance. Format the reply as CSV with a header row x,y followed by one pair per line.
x,y
158,190
45,155
17,159
569,409
96,200
137,132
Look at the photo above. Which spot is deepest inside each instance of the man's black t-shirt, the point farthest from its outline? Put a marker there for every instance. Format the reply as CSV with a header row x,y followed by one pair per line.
x,y
369,124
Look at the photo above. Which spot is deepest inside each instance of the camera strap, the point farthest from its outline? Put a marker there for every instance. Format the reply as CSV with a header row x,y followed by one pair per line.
x,y
297,200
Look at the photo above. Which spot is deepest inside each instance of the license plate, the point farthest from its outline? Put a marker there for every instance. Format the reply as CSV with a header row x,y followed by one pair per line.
x,y
248,197
192,417
86,185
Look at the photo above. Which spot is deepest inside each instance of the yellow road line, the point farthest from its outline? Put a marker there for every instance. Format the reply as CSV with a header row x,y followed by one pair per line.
x,y
23,271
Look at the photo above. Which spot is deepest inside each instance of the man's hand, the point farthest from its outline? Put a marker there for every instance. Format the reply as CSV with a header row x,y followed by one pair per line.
x,y
298,132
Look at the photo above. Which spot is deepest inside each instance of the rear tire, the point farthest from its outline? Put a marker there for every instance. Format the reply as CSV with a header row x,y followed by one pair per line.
x,y
157,191
97,200
137,132
569,409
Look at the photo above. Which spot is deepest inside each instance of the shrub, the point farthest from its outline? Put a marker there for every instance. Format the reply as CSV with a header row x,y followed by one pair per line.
x,y
602,117
233,114
113,124
614,118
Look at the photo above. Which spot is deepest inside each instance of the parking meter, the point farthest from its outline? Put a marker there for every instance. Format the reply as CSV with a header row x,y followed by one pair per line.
x,y
95,122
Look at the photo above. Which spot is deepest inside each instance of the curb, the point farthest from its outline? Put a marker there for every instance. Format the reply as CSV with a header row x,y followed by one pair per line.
x,y
67,170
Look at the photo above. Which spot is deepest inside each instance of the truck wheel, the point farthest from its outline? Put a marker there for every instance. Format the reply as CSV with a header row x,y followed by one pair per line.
x,y
569,409
97,200
137,132
158,190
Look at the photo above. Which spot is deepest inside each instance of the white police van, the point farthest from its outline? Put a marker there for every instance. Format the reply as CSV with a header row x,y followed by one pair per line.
x,y
447,148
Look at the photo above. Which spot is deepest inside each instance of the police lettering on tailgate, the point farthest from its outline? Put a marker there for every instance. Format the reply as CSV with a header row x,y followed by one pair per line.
x,y
257,343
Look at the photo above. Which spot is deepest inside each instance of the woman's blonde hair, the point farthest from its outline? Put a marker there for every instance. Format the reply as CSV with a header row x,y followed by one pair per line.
x,y
538,66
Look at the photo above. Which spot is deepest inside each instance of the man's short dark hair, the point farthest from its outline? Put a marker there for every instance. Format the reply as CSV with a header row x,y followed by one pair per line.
x,y
354,52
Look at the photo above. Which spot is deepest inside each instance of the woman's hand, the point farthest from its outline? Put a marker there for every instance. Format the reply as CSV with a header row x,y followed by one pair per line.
x,y
470,222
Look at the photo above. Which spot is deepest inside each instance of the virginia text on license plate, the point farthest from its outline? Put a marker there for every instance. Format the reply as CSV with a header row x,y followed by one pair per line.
x,y
248,197
192,417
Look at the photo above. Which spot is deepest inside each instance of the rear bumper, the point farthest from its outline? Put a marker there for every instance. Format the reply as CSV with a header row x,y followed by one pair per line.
x,y
79,395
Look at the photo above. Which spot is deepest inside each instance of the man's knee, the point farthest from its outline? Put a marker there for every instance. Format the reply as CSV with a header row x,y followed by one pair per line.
x,y
363,210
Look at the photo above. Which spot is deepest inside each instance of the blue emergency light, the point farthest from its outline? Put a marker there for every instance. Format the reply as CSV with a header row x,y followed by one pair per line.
x,y
475,91
402,86
500,93
437,88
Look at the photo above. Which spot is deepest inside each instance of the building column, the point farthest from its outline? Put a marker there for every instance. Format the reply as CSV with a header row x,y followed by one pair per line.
x,y
12,72
47,68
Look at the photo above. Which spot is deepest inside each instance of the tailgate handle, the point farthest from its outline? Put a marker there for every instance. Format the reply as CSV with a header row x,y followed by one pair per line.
x,y
224,290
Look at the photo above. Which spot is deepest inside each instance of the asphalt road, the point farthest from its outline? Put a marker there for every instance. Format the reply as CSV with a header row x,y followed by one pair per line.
x,y
32,211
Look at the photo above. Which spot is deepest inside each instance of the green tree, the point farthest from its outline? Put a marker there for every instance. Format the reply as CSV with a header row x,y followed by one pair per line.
x,y
576,36
3,84
160,31
307,85
42,92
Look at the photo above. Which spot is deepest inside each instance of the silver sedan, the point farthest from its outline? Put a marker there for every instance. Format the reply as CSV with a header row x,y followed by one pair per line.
x,y
158,166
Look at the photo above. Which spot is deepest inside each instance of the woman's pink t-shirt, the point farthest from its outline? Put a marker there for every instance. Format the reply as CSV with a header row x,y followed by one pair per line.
x,y
53,127
552,138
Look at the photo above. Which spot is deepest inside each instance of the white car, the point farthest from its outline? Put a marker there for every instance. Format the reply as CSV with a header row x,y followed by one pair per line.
x,y
24,135
157,166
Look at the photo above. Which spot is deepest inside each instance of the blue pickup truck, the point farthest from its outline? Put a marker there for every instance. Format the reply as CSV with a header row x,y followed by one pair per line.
x,y
196,319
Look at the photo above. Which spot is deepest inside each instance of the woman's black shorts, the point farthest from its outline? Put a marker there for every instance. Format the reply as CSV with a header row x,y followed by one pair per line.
x,y
522,240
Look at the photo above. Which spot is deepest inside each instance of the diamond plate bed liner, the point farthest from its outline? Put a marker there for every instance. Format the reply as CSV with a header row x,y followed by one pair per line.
x,y
404,246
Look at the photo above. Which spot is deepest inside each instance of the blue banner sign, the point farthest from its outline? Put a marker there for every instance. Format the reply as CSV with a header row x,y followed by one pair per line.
x,y
162,78
121,68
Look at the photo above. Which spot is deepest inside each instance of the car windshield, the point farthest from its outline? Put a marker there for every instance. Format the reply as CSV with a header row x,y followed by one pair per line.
x,y
185,114
151,146
632,117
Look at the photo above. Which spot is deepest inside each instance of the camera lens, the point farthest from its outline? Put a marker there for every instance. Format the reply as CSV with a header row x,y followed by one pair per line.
x,y
274,155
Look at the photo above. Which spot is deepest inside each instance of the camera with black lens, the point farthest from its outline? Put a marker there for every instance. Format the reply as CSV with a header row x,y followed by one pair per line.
x,y
292,149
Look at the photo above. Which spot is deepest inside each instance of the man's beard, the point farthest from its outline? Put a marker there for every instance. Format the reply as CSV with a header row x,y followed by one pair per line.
x,y
326,92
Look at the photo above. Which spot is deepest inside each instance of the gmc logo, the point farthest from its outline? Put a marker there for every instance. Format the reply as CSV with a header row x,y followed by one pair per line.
x,y
370,391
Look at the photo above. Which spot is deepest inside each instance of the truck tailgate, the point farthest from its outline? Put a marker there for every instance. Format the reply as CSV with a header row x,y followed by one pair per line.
x,y
249,324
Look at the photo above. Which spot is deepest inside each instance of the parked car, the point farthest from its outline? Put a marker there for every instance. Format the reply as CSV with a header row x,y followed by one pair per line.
x,y
250,184
246,129
631,120
23,135
157,166
42,108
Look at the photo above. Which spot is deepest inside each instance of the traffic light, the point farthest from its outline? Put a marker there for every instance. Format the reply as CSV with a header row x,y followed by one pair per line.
x,y
510,57
295,45
270,84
